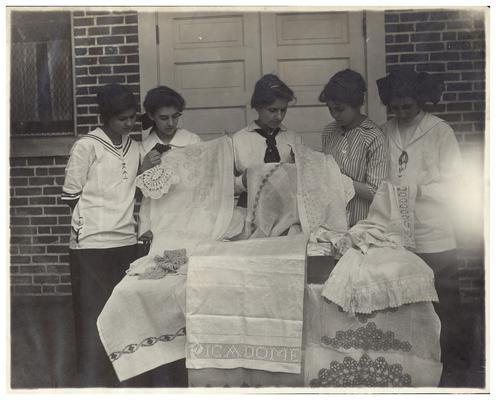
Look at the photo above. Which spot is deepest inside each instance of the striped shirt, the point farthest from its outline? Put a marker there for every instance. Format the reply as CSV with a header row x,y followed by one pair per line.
x,y
362,154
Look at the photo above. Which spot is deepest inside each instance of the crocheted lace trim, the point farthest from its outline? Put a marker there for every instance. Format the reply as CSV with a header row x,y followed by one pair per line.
x,y
380,295
156,181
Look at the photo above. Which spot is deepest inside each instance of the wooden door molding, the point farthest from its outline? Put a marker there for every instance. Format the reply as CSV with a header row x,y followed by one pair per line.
x,y
375,61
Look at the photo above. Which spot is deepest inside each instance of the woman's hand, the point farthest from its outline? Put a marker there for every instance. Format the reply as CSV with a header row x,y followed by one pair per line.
x,y
151,159
244,179
363,190
147,236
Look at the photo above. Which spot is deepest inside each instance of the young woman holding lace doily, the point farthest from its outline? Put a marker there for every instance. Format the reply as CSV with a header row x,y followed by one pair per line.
x,y
163,107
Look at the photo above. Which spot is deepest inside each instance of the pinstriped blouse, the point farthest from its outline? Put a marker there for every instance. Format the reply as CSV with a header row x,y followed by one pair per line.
x,y
362,153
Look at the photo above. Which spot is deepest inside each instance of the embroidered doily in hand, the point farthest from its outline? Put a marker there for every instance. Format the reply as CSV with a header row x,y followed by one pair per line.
x,y
156,181
169,263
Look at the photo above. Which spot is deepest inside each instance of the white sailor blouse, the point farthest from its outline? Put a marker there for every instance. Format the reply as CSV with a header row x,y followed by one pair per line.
x,y
101,177
430,159
249,149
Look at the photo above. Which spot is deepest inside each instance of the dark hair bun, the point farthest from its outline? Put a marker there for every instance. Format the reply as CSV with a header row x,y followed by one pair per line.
x,y
406,82
114,99
163,96
268,89
346,87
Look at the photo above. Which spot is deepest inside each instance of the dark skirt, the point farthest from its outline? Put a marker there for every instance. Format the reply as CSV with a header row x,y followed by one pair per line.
x,y
94,274
454,333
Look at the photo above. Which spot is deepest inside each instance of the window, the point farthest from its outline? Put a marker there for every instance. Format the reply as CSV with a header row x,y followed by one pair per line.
x,y
41,93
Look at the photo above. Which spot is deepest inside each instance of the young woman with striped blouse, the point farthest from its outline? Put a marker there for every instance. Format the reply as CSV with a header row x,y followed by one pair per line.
x,y
356,143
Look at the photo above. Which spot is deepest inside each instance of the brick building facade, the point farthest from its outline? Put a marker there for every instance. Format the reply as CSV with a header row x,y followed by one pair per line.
x,y
105,49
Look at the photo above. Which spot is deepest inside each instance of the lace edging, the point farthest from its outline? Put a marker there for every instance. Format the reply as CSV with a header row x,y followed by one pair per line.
x,y
380,296
156,181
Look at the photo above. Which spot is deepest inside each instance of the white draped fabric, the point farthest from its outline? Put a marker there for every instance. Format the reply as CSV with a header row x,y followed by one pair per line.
x,y
245,304
250,318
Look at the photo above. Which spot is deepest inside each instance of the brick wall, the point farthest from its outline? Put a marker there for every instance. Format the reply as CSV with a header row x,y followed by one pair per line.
x,y
106,50
450,44
39,227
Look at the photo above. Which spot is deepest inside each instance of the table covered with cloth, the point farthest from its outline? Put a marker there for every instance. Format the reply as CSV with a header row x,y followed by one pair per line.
x,y
302,339
284,332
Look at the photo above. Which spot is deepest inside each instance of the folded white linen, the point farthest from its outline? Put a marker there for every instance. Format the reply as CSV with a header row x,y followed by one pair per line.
x,y
244,304
142,325
376,271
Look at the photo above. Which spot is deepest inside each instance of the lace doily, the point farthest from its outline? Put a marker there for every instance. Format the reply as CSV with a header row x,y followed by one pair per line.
x,y
169,263
156,181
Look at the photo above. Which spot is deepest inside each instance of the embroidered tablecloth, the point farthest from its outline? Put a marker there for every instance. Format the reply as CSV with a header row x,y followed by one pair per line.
x,y
390,348
142,326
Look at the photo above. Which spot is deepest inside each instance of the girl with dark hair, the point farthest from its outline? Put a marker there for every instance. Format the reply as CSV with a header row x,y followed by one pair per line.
x,y
356,143
164,107
424,155
99,187
265,140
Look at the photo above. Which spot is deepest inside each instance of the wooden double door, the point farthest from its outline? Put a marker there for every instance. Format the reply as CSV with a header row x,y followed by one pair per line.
x,y
214,60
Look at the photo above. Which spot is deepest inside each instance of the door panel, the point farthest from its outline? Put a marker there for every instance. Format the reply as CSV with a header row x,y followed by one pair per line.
x,y
305,50
213,60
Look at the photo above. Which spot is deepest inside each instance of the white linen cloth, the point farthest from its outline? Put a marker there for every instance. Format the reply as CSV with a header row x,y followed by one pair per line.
x,y
142,324
286,197
378,272
200,206
395,347
139,313
322,191
244,304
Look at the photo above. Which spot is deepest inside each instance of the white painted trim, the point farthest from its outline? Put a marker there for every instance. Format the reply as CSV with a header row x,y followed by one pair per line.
x,y
375,62
148,52
41,146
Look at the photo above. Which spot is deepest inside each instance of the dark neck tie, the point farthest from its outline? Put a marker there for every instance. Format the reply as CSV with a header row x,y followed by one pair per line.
x,y
272,153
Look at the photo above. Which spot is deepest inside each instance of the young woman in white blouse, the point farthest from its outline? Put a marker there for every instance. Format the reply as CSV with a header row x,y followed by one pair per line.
x,y
99,187
424,154
265,140
164,107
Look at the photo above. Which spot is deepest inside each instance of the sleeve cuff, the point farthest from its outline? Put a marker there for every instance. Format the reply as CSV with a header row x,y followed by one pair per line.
x,y
70,196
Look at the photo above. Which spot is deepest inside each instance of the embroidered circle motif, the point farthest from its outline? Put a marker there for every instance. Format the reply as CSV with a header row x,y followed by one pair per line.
x,y
367,338
150,341
364,372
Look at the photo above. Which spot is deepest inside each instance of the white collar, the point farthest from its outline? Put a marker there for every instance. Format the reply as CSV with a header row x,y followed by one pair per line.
x,y
253,125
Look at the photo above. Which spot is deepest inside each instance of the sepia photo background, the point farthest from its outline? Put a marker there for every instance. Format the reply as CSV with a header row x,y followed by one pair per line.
x,y
58,57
